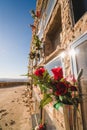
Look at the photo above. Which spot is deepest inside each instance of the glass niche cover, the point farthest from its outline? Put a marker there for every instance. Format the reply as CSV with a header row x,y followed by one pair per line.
x,y
79,61
56,62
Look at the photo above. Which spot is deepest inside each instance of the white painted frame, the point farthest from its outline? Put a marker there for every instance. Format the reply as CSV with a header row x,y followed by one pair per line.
x,y
80,40
62,62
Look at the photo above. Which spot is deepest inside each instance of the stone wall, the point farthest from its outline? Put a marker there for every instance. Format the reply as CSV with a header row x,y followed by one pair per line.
x,y
68,34
70,31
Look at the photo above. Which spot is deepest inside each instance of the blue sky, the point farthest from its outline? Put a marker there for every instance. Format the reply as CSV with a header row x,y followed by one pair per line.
x,y
15,36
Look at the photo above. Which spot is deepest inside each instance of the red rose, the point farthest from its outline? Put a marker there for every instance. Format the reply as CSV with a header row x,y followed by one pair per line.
x,y
73,88
41,127
58,73
33,27
39,72
61,89
38,14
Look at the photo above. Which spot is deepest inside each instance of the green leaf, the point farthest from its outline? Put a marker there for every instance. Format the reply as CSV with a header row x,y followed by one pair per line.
x,y
61,98
32,12
44,88
36,41
46,100
44,74
57,105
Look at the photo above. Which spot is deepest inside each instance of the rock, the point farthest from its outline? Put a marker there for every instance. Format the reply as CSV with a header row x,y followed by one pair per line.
x,y
3,110
23,100
17,100
27,105
12,122
6,124
26,101
4,114
12,101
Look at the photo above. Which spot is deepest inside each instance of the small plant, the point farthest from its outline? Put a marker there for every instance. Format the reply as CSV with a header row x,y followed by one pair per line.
x,y
38,55
40,127
37,42
35,15
32,55
32,27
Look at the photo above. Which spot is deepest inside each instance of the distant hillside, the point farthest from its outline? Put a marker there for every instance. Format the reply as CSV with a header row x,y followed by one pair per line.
x,y
13,80
6,82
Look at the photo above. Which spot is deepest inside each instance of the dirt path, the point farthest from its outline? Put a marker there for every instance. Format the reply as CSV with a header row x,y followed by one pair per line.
x,y
14,110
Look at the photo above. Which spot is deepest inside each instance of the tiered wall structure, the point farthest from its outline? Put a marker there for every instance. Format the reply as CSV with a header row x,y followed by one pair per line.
x,y
62,24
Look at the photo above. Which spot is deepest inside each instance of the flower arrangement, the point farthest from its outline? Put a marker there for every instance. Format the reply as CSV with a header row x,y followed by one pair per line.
x,y
63,90
36,14
32,54
32,27
40,127
37,42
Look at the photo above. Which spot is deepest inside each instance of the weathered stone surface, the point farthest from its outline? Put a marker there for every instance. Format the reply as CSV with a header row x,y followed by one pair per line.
x,y
59,34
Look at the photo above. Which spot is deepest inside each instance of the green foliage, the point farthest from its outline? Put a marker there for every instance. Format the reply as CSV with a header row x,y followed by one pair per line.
x,y
32,12
57,105
37,41
46,99
43,82
32,54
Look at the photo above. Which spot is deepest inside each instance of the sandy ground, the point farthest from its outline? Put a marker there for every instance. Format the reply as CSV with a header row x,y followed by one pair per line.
x,y
14,110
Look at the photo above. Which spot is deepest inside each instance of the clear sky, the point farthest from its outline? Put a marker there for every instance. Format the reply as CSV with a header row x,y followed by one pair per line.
x,y
15,36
